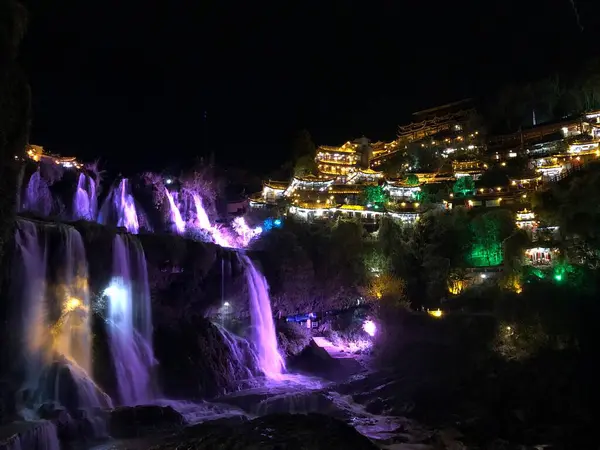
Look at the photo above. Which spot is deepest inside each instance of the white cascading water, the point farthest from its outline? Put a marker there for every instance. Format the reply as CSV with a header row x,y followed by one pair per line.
x,y
177,221
120,209
84,202
130,322
264,337
201,216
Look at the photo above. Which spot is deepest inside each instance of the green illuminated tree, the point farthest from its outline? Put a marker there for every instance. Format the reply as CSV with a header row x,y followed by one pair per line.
x,y
411,180
489,231
464,187
375,195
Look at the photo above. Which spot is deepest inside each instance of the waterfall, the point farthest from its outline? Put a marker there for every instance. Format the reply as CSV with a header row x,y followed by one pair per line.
x,y
29,275
243,361
201,217
51,283
41,436
263,327
177,221
93,197
38,198
84,202
72,330
119,208
130,322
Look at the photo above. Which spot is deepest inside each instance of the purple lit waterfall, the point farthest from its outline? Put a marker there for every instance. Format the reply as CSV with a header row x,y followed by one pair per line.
x,y
177,221
84,202
130,322
264,337
120,209
38,198
186,215
30,268
201,217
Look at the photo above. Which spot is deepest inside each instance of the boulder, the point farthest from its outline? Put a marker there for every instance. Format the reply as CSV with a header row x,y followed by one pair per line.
x,y
66,425
196,361
314,360
128,422
276,431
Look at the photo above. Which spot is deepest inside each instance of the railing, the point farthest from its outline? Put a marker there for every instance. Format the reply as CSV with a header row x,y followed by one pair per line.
x,y
564,174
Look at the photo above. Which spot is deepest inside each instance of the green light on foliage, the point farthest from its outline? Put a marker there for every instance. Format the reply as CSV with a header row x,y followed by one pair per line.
x,y
375,195
464,186
411,180
486,256
538,273
558,277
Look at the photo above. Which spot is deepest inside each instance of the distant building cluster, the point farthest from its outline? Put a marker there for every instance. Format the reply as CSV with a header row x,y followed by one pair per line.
x,y
354,181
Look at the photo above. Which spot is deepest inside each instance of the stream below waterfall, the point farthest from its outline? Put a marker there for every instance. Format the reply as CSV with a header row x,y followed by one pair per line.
x,y
293,394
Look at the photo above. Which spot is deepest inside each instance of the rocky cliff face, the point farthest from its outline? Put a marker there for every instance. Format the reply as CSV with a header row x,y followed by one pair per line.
x,y
189,281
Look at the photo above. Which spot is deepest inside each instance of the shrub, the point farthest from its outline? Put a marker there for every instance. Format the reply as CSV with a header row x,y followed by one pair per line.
x,y
292,337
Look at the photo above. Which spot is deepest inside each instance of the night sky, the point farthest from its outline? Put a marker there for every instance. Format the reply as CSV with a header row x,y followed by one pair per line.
x,y
130,81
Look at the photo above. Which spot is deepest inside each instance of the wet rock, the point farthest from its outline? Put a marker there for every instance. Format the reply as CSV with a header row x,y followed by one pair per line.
x,y
8,408
38,435
196,360
66,426
315,360
64,383
301,403
128,422
272,432
92,423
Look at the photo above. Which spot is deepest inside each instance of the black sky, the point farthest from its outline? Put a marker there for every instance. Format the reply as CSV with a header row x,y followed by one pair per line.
x,y
129,80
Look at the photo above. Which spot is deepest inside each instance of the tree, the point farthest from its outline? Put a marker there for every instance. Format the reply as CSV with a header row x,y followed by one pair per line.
x,y
464,187
569,204
303,154
493,178
15,112
305,165
489,231
289,270
375,195
411,180
389,289
426,158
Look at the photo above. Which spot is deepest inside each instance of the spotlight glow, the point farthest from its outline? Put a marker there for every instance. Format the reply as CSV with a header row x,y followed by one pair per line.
x,y
117,295
436,313
369,327
72,304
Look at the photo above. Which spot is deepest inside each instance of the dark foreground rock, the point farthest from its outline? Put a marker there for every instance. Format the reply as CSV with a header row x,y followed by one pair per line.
x,y
273,432
128,422
314,360
39,435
